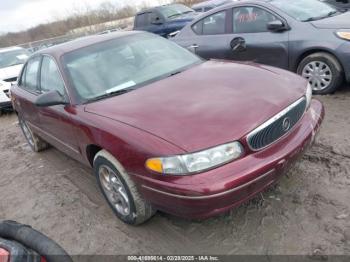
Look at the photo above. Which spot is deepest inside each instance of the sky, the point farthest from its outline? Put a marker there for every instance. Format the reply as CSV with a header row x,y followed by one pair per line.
x,y
17,15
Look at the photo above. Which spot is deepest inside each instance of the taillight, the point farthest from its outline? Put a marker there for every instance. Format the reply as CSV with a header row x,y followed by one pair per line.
x,y
4,255
42,259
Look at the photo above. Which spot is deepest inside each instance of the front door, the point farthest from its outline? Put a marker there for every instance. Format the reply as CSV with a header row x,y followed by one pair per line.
x,y
252,41
56,124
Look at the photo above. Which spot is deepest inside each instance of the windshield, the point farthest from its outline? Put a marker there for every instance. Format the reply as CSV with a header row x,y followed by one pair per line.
x,y
305,10
125,63
12,58
171,11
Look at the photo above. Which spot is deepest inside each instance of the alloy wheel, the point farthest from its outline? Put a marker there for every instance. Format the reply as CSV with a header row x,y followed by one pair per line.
x,y
114,190
27,133
318,74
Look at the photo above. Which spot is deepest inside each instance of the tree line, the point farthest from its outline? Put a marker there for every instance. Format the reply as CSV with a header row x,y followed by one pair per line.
x,y
79,17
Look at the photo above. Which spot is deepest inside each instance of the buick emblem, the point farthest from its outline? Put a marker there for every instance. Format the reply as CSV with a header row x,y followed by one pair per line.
x,y
286,124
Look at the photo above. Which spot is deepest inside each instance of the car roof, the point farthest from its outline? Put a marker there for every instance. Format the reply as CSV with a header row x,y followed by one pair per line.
x,y
211,3
58,50
9,49
155,8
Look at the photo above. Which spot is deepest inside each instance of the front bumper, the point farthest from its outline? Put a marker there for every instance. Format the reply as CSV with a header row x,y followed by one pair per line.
x,y
218,190
343,54
6,106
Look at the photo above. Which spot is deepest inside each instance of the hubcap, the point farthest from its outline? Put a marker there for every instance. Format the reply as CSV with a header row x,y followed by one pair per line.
x,y
27,133
319,75
114,190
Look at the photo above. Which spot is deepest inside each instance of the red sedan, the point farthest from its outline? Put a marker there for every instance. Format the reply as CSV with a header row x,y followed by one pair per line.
x,y
163,129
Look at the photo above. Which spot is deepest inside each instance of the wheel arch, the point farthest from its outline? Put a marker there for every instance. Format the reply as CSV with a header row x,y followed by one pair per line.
x,y
314,51
91,151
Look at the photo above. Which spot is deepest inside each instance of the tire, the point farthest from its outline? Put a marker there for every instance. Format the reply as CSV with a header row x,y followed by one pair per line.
x,y
35,142
135,210
331,72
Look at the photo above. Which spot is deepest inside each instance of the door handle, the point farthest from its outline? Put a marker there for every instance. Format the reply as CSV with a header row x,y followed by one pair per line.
x,y
193,48
238,44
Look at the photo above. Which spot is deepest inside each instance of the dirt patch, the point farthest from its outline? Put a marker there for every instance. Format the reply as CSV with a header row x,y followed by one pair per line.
x,y
308,212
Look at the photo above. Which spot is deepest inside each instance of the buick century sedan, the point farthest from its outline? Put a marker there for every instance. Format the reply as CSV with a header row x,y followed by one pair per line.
x,y
161,128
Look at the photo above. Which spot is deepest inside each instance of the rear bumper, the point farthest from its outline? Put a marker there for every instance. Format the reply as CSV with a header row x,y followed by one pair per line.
x,y
216,191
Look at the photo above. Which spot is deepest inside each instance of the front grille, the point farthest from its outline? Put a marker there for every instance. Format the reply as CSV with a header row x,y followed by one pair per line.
x,y
11,80
277,127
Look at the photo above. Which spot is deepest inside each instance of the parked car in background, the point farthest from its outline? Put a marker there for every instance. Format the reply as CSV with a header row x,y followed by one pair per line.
x,y
304,36
5,101
164,20
11,62
109,31
162,128
340,4
208,5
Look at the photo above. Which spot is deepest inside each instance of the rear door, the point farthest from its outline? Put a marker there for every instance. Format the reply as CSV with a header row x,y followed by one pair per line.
x,y
252,41
56,123
211,36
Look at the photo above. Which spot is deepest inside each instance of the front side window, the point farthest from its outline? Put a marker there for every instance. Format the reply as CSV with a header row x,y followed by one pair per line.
x,y
50,78
251,19
173,11
123,64
31,75
12,58
211,25
305,10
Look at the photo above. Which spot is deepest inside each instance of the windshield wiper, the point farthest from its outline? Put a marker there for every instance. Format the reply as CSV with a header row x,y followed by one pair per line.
x,y
320,17
110,94
174,15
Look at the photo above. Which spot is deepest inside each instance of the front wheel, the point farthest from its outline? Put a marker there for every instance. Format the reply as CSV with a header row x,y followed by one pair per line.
x,y
323,71
120,191
35,142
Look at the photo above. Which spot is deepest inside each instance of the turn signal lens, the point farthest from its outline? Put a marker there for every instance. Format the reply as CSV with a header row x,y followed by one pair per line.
x,y
155,164
344,35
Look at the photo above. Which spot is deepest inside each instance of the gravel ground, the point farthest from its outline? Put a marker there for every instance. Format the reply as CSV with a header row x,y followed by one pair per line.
x,y
307,213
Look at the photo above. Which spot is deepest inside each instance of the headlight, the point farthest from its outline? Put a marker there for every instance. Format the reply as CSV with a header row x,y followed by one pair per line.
x,y
196,162
308,95
343,35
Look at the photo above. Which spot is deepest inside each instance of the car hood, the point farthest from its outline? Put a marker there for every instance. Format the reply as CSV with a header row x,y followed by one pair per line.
x,y
341,21
10,72
210,104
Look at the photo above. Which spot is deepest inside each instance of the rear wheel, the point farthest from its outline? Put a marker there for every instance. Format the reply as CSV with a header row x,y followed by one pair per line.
x,y
35,142
120,191
323,71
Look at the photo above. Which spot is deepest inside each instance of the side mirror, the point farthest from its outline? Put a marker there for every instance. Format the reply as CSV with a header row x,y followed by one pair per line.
x,y
157,21
52,98
276,26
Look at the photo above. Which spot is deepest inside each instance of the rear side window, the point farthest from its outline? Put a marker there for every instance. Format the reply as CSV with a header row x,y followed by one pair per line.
x,y
143,19
251,19
211,25
50,78
30,82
